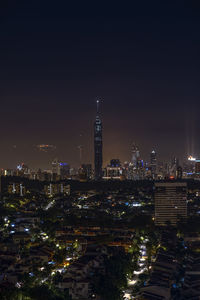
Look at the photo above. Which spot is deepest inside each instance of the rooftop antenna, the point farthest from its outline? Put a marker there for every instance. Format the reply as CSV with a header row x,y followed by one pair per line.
x,y
80,147
97,107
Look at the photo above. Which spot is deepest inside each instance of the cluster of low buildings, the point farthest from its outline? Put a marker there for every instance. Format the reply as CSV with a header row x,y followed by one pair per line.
x,y
14,264
79,275
191,282
164,270
171,207
115,237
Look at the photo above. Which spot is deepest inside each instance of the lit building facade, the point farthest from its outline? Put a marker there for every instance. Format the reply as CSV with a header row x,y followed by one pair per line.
x,y
86,171
135,155
16,188
113,170
64,170
56,167
53,189
197,166
170,202
153,164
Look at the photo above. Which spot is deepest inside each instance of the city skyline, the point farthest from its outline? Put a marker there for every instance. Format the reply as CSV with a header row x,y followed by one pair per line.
x,y
55,61
48,152
45,153
99,150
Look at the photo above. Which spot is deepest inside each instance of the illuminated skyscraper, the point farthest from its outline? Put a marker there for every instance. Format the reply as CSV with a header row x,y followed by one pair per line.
x,y
135,155
55,166
98,145
153,163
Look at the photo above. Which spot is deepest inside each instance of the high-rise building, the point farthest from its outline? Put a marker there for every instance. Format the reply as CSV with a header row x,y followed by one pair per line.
x,y
179,172
64,170
22,170
16,188
197,167
136,164
86,170
98,146
113,170
135,155
173,167
55,166
170,202
53,189
153,163
60,170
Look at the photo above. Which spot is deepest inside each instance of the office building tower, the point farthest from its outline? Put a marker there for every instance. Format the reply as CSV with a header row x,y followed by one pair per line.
x,y
197,166
173,167
170,202
53,189
113,170
179,172
135,155
22,170
16,188
98,146
55,166
153,163
136,164
64,169
86,169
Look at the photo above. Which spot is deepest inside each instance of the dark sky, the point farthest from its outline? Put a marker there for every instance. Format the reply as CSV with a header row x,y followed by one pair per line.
x,y
143,61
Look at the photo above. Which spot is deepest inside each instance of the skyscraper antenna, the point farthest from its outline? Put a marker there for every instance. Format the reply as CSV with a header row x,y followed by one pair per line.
x,y
97,107
80,147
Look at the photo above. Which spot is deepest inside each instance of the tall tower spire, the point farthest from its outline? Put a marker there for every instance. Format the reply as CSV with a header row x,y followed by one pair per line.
x,y
97,107
98,145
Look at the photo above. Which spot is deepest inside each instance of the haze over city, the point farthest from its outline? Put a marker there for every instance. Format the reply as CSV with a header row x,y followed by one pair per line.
x,y
99,150
56,60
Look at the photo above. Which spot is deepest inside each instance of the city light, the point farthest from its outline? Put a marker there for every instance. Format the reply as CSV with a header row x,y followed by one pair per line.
x,y
191,158
99,197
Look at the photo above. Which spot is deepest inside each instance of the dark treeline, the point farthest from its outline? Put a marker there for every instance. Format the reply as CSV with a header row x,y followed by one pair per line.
x,y
109,185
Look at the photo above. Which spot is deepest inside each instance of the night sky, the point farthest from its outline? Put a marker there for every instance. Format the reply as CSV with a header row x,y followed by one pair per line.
x,y
142,61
